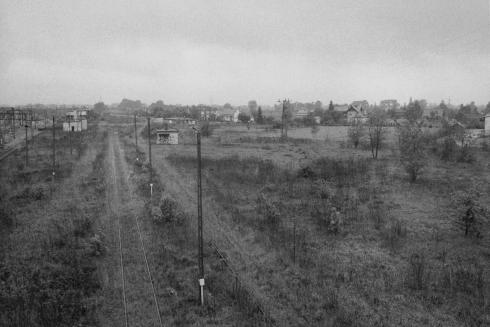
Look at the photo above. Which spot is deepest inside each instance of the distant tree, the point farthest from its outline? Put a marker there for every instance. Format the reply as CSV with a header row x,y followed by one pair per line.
x,y
227,106
487,108
206,129
260,117
243,117
356,132
412,150
130,105
330,106
252,107
100,107
443,105
414,111
391,113
376,131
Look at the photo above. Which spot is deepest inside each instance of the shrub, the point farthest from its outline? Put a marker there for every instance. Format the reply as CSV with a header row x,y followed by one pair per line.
x,y
6,213
412,155
356,132
417,274
168,209
448,150
82,226
206,129
466,154
269,211
393,233
377,213
469,214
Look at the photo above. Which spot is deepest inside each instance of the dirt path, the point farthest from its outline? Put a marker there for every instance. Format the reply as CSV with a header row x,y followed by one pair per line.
x,y
133,294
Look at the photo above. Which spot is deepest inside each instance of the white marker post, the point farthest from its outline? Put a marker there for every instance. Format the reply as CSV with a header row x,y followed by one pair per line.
x,y
201,284
151,190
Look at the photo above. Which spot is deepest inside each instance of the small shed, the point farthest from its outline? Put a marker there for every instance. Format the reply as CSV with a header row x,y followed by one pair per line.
x,y
73,126
167,136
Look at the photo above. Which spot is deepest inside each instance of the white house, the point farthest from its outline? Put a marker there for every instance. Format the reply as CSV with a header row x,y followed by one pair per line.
x,y
74,126
230,115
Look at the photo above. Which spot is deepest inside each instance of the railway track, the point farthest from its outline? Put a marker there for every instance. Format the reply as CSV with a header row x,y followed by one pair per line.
x,y
137,284
5,154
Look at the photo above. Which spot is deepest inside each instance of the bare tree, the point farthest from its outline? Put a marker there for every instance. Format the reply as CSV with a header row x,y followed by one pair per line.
x,y
356,132
412,154
376,131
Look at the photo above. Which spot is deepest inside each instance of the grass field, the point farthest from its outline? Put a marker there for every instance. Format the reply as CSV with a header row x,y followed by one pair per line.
x,y
395,258
304,231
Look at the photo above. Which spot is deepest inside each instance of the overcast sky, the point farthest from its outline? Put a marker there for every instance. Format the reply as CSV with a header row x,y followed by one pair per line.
x,y
189,52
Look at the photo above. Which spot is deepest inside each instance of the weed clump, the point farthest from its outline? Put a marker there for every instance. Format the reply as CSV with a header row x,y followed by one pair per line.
x,y
268,210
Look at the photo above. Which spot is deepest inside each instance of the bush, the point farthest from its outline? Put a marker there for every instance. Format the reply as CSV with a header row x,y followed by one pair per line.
x,y
466,154
449,148
6,214
469,214
268,210
393,233
412,154
417,273
168,210
206,129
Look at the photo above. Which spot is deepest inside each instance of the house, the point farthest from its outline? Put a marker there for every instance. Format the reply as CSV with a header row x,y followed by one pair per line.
x,y
230,115
167,136
341,108
301,113
74,126
361,104
389,104
180,120
356,114
76,121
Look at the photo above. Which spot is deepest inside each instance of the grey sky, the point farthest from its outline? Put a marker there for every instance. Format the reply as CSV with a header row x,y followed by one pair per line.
x,y
63,51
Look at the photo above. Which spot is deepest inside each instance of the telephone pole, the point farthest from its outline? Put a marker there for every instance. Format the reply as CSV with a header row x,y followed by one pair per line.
x,y
149,149
69,133
27,145
199,219
54,154
135,132
13,121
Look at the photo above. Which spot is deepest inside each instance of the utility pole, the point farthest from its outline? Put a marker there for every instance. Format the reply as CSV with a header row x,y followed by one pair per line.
x,y
149,152
136,136
294,241
69,133
199,219
13,120
54,155
27,151
285,105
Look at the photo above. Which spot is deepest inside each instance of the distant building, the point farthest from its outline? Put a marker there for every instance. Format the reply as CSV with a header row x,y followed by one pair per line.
x,y
180,120
341,107
76,121
230,115
362,104
356,114
487,125
301,113
167,136
389,104
74,126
